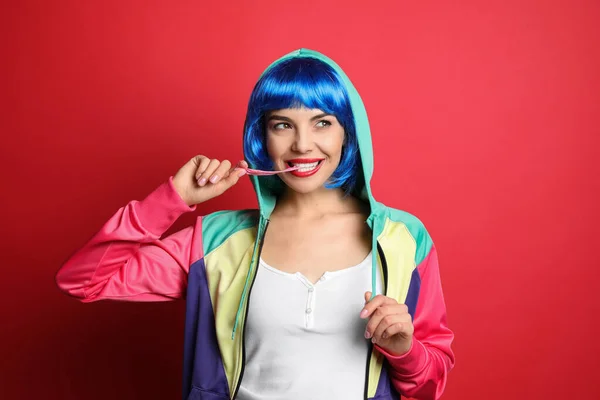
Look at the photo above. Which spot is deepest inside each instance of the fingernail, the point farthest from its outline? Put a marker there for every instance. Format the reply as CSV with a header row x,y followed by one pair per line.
x,y
202,182
242,173
384,335
373,340
214,178
367,335
363,313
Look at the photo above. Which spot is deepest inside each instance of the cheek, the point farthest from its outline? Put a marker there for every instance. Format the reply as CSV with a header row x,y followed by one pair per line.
x,y
275,146
334,144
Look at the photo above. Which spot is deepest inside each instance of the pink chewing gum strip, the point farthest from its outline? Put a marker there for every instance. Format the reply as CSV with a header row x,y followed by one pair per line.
x,y
259,172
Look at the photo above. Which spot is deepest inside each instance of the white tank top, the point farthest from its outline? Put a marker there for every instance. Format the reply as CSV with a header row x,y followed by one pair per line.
x,y
306,341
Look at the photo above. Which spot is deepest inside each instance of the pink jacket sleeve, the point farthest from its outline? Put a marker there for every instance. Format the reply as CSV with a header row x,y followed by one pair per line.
x,y
421,373
127,260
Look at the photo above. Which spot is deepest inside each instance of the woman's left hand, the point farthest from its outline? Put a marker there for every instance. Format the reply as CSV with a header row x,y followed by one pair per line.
x,y
390,325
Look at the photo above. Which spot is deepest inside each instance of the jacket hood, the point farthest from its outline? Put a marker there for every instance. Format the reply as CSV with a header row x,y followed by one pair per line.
x,y
267,201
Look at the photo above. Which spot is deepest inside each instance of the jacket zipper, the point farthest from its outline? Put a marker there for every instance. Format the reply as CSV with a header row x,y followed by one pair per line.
x,y
243,332
385,283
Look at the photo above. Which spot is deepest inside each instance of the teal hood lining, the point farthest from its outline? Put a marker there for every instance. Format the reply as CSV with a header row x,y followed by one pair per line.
x,y
266,201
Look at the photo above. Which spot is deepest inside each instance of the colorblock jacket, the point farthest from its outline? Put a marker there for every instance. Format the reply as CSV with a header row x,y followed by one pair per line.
x,y
213,263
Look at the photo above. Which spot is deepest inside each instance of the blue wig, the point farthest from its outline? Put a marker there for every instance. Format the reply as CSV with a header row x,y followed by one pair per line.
x,y
295,83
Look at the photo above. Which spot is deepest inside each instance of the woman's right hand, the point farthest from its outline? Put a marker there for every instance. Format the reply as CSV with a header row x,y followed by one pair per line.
x,y
202,178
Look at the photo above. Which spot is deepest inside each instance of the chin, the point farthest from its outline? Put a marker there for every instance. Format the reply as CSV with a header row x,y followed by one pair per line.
x,y
305,185
304,189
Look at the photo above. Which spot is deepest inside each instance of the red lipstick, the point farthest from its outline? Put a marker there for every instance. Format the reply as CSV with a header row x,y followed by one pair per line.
x,y
305,174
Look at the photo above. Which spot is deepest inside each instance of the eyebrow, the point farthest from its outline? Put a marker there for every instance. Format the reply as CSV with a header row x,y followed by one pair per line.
x,y
282,118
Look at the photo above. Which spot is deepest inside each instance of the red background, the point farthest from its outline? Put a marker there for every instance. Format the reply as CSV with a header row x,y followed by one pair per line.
x,y
485,125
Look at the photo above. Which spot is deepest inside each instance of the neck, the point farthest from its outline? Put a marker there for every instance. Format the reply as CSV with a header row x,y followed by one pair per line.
x,y
316,204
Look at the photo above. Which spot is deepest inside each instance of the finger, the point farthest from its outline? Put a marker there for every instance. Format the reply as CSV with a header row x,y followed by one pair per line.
x,y
375,302
239,169
241,165
232,178
390,319
378,316
210,168
235,173
220,172
399,328
229,172
202,164
385,323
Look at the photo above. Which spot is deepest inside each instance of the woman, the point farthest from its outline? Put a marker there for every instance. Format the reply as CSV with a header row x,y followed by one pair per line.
x,y
320,293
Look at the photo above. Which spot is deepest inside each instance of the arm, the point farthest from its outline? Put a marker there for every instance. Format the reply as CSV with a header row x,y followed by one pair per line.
x,y
421,373
126,260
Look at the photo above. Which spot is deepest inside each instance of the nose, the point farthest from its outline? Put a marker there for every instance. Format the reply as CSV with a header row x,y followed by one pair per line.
x,y
303,140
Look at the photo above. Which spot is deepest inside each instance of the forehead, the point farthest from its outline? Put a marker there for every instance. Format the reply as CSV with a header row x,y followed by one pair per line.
x,y
296,113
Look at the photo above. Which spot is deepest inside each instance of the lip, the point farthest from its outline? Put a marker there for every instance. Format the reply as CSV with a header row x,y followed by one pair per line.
x,y
299,174
304,160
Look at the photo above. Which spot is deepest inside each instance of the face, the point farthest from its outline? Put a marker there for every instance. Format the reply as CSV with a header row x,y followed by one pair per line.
x,y
309,138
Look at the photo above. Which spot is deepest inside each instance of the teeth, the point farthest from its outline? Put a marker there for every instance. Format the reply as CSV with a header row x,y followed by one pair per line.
x,y
305,167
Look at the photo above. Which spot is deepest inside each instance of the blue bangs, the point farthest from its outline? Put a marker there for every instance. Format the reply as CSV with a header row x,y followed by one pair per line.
x,y
295,83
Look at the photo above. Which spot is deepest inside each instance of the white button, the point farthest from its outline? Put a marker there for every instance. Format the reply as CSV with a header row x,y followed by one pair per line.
x,y
322,278
311,289
308,310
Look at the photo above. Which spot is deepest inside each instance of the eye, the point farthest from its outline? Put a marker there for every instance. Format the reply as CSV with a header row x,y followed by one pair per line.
x,y
282,125
323,123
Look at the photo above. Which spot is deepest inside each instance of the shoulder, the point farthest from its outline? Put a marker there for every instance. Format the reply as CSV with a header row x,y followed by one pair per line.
x,y
219,226
414,228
